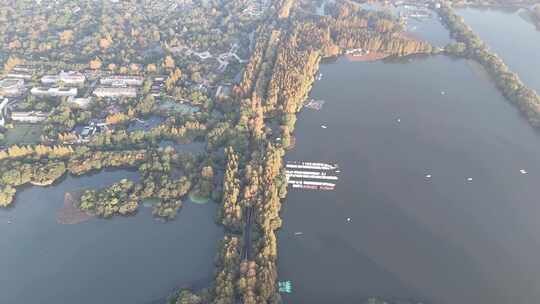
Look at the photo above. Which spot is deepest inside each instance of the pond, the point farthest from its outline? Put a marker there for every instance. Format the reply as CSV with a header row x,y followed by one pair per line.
x,y
123,260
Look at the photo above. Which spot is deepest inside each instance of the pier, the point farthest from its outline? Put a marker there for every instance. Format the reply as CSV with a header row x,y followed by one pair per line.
x,y
311,175
310,165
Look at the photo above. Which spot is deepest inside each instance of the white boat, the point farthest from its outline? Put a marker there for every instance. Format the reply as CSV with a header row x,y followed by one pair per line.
x,y
523,171
310,165
308,176
304,172
298,233
324,127
312,183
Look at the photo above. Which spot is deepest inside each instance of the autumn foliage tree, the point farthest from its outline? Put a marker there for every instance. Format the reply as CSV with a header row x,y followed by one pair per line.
x,y
231,212
66,37
169,63
105,42
95,64
10,63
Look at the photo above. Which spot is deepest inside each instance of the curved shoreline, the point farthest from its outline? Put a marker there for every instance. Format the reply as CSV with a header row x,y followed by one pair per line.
x,y
69,214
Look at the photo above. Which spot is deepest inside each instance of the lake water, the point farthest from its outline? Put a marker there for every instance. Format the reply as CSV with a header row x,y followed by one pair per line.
x,y
127,260
512,37
440,240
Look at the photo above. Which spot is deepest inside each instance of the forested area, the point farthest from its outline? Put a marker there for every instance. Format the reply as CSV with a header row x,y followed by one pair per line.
x,y
350,27
115,32
469,45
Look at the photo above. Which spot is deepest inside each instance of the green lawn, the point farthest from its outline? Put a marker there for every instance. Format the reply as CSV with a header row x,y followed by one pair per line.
x,y
23,134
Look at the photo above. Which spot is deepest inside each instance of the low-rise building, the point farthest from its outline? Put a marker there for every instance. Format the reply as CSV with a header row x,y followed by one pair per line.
x,y
54,92
82,102
29,117
20,76
27,69
158,86
91,129
114,92
72,78
11,87
122,80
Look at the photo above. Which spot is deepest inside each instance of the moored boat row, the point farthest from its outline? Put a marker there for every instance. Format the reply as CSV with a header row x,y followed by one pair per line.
x,y
311,175
311,165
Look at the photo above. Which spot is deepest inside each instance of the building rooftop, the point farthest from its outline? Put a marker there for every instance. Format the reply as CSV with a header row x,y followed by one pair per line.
x,y
115,91
10,82
67,77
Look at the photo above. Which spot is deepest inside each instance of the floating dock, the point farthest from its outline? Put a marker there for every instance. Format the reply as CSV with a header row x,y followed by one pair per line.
x,y
312,185
310,165
311,175
306,175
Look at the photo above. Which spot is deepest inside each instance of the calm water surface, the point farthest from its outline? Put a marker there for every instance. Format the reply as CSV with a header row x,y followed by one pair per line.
x,y
441,239
512,37
123,260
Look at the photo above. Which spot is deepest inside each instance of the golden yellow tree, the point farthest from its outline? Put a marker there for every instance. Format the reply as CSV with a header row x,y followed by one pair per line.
x,y
169,62
116,118
11,63
134,68
106,42
66,36
95,64
151,68
111,67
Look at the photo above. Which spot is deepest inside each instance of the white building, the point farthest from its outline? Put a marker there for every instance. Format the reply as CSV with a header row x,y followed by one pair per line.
x,y
11,87
30,117
122,80
115,92
19,76
65,77
81,102
24,69
53,92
